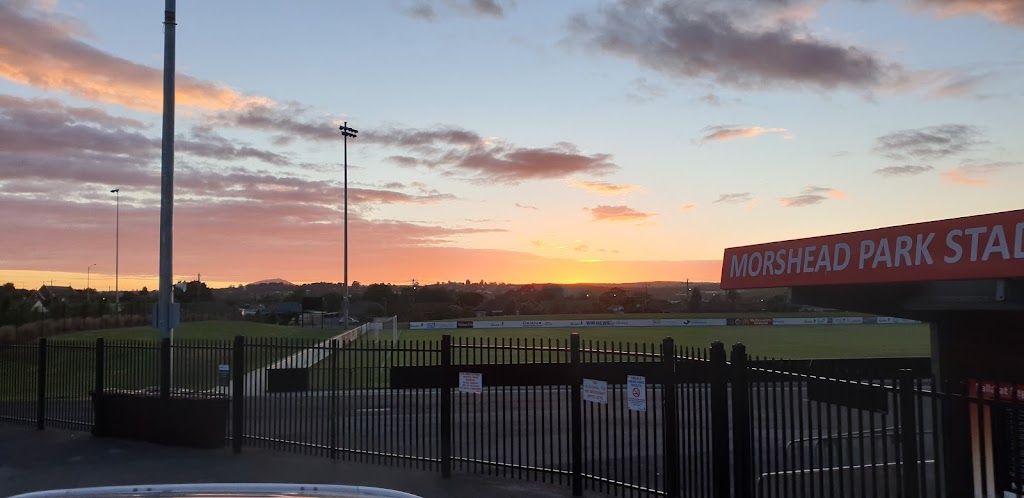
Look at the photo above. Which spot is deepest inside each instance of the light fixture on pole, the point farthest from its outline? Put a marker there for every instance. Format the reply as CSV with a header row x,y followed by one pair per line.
x,y
117,252
346,132
88,277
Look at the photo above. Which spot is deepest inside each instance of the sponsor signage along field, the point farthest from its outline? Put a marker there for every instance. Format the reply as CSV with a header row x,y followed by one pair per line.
x,y
663,322
973,247
432,325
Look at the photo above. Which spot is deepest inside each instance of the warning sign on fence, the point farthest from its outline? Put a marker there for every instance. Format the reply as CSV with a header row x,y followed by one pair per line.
x,y
471,382
636,393
595,391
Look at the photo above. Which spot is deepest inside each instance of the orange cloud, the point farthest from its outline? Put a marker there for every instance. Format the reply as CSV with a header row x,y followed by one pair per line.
x,y
687,207
975,174
1005,11
728,132
618,213
604,187
43,50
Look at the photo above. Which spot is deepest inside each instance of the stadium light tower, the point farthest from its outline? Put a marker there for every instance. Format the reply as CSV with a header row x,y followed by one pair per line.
x,y
117,251
88,277
345,133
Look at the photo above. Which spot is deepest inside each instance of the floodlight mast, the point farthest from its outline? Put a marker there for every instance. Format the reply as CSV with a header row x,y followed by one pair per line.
x,y
167,197
117,252
346,132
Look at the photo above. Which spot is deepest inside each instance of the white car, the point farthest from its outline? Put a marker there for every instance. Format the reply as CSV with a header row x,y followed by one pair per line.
x,y
225,490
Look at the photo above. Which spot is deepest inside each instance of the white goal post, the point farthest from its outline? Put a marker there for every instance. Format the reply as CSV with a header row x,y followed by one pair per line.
x,y
384,326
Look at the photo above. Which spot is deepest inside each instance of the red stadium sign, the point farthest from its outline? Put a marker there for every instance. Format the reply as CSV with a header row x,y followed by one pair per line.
x,y
973,247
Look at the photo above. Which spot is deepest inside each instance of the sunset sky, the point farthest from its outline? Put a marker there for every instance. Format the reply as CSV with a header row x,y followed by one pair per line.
x,y
518,141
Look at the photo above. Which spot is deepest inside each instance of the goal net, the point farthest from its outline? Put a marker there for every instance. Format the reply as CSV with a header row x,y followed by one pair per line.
x,y
383,328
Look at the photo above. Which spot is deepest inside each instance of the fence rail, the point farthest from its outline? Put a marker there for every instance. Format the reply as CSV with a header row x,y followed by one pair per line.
x,y
654,419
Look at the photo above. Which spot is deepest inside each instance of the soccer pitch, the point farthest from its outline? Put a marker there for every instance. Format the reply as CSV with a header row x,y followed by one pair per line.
x,y
791,342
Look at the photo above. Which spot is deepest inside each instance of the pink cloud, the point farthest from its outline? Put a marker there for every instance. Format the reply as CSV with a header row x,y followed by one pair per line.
x,y
44,50
618,213
976,174
729,132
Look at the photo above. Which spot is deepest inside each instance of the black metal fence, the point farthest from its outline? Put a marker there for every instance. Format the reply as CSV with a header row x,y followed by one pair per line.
x,y
615,418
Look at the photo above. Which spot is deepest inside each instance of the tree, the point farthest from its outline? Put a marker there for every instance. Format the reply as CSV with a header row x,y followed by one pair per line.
x,y
373,310
470,299
696,300
733,296
379,293
552,292
332,301
615,296
434,294
193,290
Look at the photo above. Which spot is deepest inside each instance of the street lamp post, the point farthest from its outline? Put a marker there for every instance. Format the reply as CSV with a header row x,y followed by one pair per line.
x,y
117,252
88,278
346,132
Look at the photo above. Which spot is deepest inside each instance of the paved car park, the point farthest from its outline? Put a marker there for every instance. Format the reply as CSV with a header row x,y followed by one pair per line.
x,y
32,460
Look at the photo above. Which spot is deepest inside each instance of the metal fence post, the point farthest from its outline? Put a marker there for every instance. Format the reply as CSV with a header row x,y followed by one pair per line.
x,y
742,468
957,467
238,394
670,414
720,478
165,368
446,407
335,397
576,409
41,393
98,413
908,434
99,366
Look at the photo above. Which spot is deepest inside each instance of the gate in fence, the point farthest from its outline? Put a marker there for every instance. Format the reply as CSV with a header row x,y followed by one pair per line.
x,y
615,418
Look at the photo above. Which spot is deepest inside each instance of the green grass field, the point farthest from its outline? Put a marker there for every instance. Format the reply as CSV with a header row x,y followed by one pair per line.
x,y
805,341
793,342
213,330
131,357
131,353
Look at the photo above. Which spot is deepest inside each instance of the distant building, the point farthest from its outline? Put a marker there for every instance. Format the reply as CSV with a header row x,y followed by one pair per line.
x,y
49,295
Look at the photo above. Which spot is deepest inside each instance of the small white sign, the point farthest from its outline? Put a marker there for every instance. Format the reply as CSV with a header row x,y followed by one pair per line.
x,y
595,391
223,375
636,393
471,382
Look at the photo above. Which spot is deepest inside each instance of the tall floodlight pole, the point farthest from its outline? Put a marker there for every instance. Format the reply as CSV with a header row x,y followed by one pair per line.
x,y
166,195
117,252
346,132
88,278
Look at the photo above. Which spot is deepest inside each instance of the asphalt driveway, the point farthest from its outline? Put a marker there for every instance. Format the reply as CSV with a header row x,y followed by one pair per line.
x,y
32,460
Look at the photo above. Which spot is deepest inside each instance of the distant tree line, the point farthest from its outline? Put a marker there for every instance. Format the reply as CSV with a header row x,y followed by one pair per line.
x,y
410,302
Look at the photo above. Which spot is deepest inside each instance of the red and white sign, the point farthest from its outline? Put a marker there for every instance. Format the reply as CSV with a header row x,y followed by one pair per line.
x,y
973,247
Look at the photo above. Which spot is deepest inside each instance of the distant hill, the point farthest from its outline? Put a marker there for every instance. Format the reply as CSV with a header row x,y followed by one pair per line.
x,y
273,281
